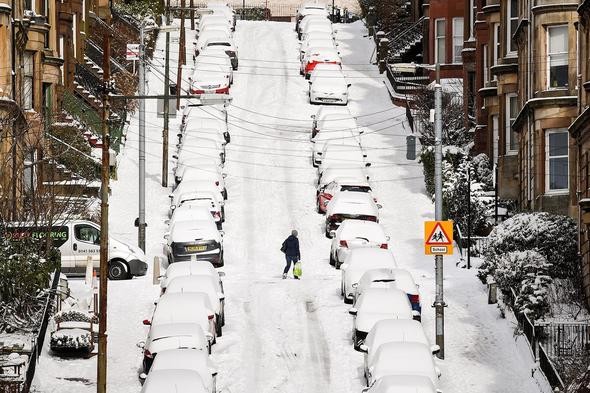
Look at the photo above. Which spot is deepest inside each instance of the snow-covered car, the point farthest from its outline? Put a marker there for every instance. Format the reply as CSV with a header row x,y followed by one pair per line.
x,y
374,305
317,26
354,234
350,206
201,200
190,268
331,174
211,164
202,284
342,154
358,261
317,56
214,55
214,19
340,184
309,9
403,358
190,360
326,70
194,239
195,211
403,384
182,381
209,78
327,114
200,147
329,88
225,44
340,130
182,194
209,174
315,42
393,330
391,278
193,123
223,8
310,19
175,335
212,32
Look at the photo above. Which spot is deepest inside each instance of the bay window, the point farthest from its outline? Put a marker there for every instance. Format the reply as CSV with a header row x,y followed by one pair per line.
x,y
457,40
556,160
557,56
511,113
439,41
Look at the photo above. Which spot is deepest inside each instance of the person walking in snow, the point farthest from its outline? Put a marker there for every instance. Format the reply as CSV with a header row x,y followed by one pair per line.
x,y
291,249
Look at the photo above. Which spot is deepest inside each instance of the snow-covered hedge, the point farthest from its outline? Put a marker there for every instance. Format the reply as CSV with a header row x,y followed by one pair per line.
x,y
551,235
75,316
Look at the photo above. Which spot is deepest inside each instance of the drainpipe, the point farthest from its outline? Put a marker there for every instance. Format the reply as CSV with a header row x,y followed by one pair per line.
x,y
530,115
14,121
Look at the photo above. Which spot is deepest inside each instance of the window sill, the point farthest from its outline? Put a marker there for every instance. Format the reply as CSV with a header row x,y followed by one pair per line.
x,y
557,192
511,153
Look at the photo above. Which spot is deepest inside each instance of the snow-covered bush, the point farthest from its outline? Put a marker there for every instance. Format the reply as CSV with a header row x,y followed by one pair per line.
x,y
553,236
71,339
73,315
532,298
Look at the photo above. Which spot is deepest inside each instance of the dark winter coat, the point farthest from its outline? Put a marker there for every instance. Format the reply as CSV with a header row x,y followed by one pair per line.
x,y
291,247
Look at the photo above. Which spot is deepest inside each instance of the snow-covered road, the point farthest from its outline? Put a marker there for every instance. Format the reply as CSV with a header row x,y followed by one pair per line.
x,y
285,335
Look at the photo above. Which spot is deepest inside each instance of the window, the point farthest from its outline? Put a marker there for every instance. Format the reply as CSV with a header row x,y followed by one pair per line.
x,y
29,175
28,80
511,113
495,138
87,233
486,66
457,39
512,16
472,17
557,56
74,34
30,5
556,170
439,41
496,48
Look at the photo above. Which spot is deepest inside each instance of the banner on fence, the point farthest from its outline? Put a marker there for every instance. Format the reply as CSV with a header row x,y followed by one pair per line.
x,y
438,237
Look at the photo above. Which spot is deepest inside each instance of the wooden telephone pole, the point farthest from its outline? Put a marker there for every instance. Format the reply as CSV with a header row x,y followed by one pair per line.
x,y
101,379
181,54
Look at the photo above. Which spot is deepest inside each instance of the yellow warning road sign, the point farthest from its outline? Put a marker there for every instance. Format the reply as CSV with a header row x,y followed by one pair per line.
x,y
438,237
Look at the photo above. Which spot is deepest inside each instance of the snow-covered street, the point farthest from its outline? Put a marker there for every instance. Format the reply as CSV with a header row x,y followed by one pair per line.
x,y
293,336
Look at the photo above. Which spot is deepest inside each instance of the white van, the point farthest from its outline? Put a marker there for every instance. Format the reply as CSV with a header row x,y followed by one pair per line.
x,y
79,239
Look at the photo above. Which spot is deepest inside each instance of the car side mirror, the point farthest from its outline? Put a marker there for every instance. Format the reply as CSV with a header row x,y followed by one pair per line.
x,y
140,344
344,266
388,238
332,234
142,376
313,117
309,82
379,206
348,85
368,164
221,274
435,349
167,235
224,175
365,390
170,196
438,372
352,311
175,156
222,232
147,322
355,285
167,222
364,348
173,207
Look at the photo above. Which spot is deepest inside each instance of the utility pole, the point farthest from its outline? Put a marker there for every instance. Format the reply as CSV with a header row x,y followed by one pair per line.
x,y
141,219
333,13
495,194
192,5
469,215
101,379
166,102
439,302
181,55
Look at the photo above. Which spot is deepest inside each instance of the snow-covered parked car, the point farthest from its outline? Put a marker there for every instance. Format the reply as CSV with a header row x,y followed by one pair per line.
x,y
329,88
343,154
393,330
357,262
403,358
402,384
341,184
354,234
172,308
74,332
202,284
183,192
308,9
202,200
374,305
212,175
315,23
390,278
192,211
216,56
174,335
315,56
187,359
214,19
212,32
209,78
327,114
200,240
204,123
226,45
197,163
331,174
350,206
181,381
314,42
191,268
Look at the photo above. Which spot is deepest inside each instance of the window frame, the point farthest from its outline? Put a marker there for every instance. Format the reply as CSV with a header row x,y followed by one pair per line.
x,y
508,133
486,66
77,227
458,21
496,48
548,64
442,39
548,157
509,33
28,85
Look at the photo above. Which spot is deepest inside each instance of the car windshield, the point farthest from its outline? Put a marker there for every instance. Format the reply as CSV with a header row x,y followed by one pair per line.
x,y
355,188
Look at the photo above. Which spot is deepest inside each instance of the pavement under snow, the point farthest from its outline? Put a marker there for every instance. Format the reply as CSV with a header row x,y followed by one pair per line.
x,y
293,336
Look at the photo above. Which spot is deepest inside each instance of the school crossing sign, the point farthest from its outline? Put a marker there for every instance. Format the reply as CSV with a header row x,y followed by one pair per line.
x,y
438,237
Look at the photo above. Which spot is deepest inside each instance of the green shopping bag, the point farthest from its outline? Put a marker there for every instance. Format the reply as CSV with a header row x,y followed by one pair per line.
x,y
297,270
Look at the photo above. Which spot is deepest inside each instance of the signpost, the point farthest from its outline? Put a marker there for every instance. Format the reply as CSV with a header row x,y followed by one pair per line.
x,y
132,54
438,237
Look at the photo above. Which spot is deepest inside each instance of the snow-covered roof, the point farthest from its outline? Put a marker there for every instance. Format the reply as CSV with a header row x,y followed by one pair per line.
x,y
194,230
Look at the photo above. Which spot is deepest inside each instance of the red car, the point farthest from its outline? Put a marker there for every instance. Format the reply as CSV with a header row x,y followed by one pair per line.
x,y
315,56
338,185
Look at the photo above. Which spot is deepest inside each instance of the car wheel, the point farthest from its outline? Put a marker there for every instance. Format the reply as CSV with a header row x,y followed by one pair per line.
x,y
218,330
118,270
337,264
355,341
332,260
341,290
347,300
